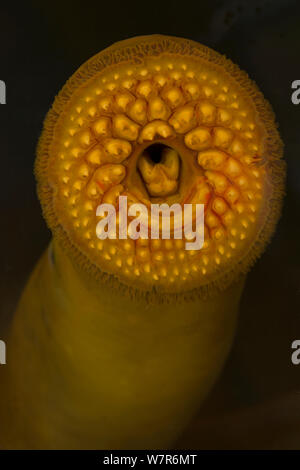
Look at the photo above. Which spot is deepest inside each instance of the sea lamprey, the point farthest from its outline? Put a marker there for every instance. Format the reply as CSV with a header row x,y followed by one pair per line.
x,y
117,341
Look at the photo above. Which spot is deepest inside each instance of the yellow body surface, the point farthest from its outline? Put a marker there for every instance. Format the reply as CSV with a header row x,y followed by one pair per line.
x,y
90,369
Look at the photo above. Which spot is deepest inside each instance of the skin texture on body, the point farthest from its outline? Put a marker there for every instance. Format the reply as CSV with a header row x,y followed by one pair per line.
x,y
109,372
116,343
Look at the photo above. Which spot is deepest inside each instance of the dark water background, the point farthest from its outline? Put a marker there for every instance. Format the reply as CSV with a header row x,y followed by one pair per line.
x,y
41,45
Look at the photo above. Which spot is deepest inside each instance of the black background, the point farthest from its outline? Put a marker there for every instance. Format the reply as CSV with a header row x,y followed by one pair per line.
x,y
41,45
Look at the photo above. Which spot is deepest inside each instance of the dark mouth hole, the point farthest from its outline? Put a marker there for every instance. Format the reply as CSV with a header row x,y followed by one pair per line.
x,y
155,152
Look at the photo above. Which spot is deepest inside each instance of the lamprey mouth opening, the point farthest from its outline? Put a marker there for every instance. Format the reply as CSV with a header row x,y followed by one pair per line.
x,y
159,166
162,119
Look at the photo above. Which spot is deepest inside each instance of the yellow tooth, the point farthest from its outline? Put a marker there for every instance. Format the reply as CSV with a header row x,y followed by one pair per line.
x,y
208,92
144,88
138,111
223,117
105,104
129,83
117,149
183,119
84,138
232,168
231,194
143,254
158,109
124,100
211,159
218,180
102,127
211,220
242,182
108,175
222,137
193,89
237,125
219,205
96,155
93,190
237,148
228,218
198,139
218,233
206,113
83,171
173,96
124,128
155,129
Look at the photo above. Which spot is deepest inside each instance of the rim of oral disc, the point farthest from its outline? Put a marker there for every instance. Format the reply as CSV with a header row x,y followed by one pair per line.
x,y
135,51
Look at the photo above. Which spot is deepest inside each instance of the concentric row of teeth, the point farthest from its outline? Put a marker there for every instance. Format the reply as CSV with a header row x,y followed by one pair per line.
x,y
139,120
213,122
